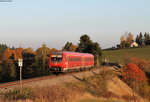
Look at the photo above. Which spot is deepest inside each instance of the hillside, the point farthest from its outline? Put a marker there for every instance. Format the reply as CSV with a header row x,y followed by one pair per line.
x,y
102,86
119,55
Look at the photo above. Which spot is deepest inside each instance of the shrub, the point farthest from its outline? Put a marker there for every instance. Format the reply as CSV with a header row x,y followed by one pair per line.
x,y
52,94
132,73
137,80
141,63
16,94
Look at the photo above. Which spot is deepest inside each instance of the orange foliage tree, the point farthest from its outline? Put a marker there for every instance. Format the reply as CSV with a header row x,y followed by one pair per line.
x,y
141,63
18,53
7,54
134,76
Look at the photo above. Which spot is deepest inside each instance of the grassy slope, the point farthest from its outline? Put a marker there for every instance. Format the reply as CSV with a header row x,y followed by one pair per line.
x,y
119,55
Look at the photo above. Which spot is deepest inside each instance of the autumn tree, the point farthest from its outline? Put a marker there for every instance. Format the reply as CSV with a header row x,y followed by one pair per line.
x,y
53,50
126,40
3,47
136,79
133,73
87,46
69,47
18,52
129,38
7,54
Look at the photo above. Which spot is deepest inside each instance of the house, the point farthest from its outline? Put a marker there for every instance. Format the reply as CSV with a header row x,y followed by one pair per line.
x,y
134,44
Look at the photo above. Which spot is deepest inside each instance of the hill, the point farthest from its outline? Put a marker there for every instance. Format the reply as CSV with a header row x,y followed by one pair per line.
x,y
102,86
120,54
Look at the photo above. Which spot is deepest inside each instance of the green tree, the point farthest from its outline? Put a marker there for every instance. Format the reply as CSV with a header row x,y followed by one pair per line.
x,y
8,70
41,60
124,44
1,73
97,53
139,40
87,46
146,39
29,60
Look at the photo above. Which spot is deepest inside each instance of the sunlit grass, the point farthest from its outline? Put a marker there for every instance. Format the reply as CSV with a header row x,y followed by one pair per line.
x,y
119,55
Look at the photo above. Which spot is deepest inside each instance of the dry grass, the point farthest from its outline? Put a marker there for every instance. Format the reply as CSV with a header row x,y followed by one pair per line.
x,y
102,87
52,94
16,94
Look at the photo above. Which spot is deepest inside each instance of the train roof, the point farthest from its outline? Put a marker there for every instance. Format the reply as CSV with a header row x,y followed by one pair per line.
x,y
75,53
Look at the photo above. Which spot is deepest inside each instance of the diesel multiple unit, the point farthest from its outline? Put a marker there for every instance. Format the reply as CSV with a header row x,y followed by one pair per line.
x,y
67,61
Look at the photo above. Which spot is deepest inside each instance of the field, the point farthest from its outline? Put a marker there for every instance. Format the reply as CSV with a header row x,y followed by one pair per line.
x,y
120,55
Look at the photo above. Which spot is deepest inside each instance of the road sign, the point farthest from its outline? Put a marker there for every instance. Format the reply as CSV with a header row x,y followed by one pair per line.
x,y
20,62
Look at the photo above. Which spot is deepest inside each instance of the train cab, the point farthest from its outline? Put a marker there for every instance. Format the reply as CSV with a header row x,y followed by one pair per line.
x,y
56,61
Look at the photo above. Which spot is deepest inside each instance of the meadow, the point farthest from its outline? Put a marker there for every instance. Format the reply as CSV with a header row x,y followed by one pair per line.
x,y
119,56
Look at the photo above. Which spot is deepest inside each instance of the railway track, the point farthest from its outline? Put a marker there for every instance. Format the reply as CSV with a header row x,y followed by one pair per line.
x,y
27,82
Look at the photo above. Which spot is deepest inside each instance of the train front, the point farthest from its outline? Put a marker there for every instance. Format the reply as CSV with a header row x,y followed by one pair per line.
x,y
56,61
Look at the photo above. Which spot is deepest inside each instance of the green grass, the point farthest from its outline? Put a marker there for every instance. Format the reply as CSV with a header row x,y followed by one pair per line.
x,y
119,55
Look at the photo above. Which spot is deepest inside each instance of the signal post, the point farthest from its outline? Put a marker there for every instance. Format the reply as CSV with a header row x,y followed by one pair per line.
x,y
20,64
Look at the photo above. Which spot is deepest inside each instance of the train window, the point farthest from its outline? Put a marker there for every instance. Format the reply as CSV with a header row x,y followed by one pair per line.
x,y
56,58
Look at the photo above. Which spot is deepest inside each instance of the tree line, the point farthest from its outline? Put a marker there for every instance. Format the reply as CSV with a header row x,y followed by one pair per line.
x,y
35,63
127,39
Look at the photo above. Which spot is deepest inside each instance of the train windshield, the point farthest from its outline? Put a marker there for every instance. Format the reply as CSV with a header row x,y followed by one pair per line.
x,y
56,58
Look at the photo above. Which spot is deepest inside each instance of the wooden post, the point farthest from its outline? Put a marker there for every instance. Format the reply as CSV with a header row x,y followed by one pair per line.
x,y
20,79
97,61
20,64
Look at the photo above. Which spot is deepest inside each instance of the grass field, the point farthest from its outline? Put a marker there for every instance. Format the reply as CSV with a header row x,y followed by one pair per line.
x,y
119,55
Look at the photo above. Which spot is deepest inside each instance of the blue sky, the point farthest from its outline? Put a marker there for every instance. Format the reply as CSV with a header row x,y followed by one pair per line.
x,y
30,23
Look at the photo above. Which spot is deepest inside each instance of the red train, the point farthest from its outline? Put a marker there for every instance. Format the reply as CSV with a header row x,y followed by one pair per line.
x,y
66,61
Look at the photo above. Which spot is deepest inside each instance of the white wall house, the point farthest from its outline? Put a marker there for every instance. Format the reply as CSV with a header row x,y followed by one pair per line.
x,y
134,44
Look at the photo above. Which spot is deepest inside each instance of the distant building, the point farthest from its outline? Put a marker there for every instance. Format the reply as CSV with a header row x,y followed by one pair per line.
x,y
134,44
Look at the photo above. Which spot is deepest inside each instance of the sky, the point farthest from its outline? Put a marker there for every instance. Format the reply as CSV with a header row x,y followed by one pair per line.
x,y
30,23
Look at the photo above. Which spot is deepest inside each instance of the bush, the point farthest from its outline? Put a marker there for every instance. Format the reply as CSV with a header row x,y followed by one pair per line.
x,y
16,94
141,63
133,73
137,80
52,94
